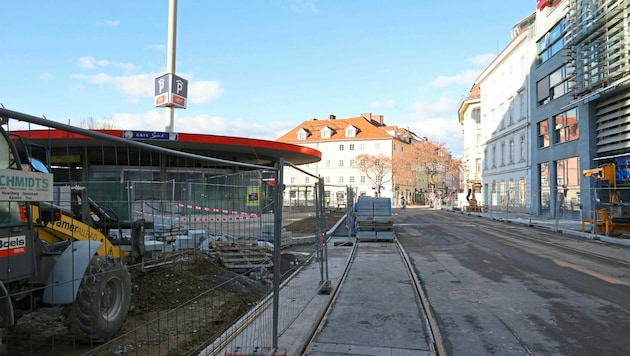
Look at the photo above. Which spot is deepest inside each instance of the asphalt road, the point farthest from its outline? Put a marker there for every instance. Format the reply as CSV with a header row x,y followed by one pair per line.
x,y
506,289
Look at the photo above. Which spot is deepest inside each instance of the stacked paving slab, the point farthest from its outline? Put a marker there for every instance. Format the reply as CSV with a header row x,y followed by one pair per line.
x,y
373,219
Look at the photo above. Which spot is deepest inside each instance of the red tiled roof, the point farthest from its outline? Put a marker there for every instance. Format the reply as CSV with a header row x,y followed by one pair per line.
x,y
366,130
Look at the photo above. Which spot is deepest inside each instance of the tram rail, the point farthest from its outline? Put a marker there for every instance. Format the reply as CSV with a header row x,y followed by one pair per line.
x,y
340,313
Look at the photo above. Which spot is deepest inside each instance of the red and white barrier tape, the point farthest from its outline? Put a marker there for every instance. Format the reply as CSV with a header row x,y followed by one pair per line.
x,y
214,210
202,219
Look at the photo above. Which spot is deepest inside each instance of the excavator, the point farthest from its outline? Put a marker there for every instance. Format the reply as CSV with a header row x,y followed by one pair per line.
x,y
473,205
614,218
51,255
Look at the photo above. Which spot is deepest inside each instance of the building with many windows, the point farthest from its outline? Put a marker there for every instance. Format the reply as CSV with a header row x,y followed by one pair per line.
x,y
340,141
469,115
496,120
560,129
579,116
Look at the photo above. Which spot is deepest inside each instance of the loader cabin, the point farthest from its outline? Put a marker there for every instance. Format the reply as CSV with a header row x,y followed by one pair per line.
x,y
611,183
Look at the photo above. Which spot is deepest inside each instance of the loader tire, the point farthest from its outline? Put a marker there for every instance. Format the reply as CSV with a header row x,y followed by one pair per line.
x,y
102,301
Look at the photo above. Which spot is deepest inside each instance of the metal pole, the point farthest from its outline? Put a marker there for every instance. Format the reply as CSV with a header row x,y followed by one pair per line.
x,y
320,231
323,226
277,242
170,57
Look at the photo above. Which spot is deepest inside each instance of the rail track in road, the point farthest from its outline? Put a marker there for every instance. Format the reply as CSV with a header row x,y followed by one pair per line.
x,y
518,287
519,233
355,303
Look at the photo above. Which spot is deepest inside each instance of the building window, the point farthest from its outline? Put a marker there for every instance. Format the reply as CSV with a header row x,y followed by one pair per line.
x,y
327,180
377,146
543,133
350,132
522,107
568,176
522,190
511,192
566,128
494,156
554,85
362,146
511,151
502,154
327,163
340,163
545,190
341,147
476,115
302,135
485,156
351,163
362,179
522,148
292,180
351,179
325,132
552,42
477,168
341,179
306,179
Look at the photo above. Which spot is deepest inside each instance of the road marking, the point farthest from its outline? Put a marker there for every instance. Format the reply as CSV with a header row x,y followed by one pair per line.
x,y
590,273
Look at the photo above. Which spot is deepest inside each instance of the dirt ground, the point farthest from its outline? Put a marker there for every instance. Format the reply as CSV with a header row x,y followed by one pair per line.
x,y
175,307
308,225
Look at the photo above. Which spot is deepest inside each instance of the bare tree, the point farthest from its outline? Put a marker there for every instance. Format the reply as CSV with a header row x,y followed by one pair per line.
x,y
376,168
92,124
434,161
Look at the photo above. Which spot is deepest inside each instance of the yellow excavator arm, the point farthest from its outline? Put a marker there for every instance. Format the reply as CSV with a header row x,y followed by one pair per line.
x,y
69,229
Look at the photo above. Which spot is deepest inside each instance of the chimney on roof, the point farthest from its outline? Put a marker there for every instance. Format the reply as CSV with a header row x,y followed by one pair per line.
x,y
379,119
331,117
367,116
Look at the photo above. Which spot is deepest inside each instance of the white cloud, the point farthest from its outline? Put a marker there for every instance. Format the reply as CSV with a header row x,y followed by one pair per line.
x,y
466,78
155,120
157,47
482,60
303,6
438,122
152,120
383,104
88,62
108,23
215,125
201,92
46,76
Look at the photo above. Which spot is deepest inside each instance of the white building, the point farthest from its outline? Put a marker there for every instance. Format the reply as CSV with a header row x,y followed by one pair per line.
x,y
469,114
505,122
340,141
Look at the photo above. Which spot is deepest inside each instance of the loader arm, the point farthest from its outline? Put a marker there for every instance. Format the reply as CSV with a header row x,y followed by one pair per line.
x,y
70,229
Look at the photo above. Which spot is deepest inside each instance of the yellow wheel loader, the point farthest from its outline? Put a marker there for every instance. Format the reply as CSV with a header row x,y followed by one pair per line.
x,y
51,256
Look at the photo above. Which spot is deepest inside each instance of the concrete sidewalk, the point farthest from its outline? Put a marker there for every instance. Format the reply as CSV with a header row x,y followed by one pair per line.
x,y
565,226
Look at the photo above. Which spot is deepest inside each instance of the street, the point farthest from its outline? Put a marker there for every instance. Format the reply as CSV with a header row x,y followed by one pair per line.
x,y
501,288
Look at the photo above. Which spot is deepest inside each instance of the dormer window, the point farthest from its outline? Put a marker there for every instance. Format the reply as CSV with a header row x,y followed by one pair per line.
x,y
325,133
351,131
303,134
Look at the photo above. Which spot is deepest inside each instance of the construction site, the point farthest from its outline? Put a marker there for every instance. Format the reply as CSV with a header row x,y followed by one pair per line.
x,y
113,244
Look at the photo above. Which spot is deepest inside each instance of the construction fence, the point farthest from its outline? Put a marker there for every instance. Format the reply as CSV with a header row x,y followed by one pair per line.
x,y
121,264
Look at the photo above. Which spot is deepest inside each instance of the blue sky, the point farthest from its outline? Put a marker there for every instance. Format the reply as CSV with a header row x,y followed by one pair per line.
x,y
255,68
